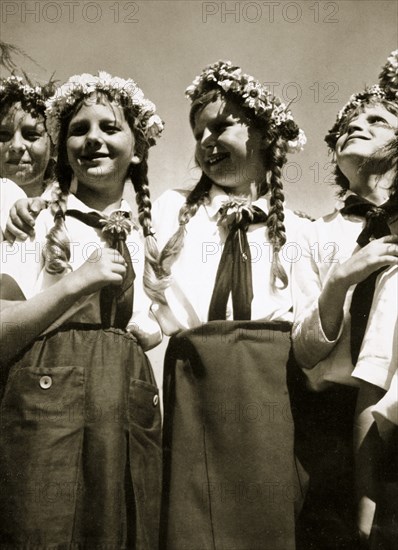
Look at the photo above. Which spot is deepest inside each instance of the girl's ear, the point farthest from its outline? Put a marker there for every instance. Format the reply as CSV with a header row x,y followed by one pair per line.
x,y
135,159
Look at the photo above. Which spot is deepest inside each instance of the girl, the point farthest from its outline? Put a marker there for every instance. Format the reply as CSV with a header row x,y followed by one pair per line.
x,y
220,289
80,439
25,147
340,251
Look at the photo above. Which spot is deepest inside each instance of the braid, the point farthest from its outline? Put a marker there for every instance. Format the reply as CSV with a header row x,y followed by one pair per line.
x,y
139,178
57,252
276,227
159,269
174,245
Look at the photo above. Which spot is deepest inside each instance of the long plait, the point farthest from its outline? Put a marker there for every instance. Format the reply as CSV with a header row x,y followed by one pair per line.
x,y
175,244
57,250
276,216
139,178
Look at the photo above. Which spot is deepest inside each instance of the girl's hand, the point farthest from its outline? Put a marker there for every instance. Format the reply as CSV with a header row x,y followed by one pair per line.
x,y
104,267
22,218
378,253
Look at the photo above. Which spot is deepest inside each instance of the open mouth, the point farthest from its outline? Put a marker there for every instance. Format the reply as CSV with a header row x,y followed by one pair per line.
x,y
216,158
17,162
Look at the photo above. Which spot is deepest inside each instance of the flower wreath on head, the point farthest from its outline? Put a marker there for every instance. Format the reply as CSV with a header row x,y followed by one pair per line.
x,y
387,89
14,89
253,96
125,92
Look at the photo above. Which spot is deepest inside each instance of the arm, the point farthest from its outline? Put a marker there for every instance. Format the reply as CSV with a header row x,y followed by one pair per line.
x,y
320,305
23,321
378,253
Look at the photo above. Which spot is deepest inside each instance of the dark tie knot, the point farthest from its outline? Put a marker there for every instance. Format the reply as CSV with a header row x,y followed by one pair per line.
x,y
375,213
238,214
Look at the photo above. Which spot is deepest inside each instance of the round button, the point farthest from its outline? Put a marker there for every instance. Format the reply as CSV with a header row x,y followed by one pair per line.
x,y
46,382
155,400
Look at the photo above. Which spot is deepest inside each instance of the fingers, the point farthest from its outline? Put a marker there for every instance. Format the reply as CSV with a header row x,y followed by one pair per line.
x,y
16,229
37,204
390,239
392,249
21,222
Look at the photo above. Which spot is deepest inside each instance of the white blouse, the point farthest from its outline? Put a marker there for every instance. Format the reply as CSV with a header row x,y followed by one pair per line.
x,y
10,193
194,271
378,357
25,263
325,244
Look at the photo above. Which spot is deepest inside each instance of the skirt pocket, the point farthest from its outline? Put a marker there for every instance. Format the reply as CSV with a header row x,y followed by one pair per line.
x,y
42,425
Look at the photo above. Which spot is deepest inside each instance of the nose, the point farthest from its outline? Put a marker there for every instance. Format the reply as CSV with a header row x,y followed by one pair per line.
x,y
17,144
358,123
208,139
93,137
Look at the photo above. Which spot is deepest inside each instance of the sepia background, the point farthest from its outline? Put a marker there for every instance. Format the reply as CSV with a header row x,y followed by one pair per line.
x,y
315,54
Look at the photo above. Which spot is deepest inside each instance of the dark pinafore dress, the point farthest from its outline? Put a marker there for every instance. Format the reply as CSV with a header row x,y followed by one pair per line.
x,y
230,477
80,443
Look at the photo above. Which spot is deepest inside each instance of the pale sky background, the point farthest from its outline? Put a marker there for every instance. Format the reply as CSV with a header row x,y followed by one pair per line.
x,y
320,51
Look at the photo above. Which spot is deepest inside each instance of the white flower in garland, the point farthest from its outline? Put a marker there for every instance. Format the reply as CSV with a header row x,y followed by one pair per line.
x,y
16,89
388,77
118,89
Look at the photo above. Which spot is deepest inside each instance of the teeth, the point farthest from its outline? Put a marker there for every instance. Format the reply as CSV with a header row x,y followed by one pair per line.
x,y
216,158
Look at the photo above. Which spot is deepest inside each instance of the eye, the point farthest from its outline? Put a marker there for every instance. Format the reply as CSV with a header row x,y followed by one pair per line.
x,y
32,136
198,136
220,127
5,136
77,129
377,119
111,129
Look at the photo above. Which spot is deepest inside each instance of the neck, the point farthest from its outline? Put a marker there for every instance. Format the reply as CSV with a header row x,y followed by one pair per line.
x,y
375,188
101,202
33,189
247,190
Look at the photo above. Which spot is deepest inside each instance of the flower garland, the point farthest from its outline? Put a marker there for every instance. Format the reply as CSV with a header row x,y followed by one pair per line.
x,y
14,89
126,92
387,89
388,78
253,96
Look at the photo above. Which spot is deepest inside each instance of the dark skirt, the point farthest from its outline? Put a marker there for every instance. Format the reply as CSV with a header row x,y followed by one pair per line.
x,y
230,479
324,423
384,535
80,445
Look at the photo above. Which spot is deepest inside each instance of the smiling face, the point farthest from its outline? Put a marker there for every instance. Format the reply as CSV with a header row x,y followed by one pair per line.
x,y
24,148
364,136
228,149
100,146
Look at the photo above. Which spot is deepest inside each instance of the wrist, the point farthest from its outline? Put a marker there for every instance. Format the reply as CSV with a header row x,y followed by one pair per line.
x,y
338,280
73,285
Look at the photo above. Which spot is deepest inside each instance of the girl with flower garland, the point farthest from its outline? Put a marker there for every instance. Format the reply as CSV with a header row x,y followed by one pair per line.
x,y
80,441
25,147
220,288
344,256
